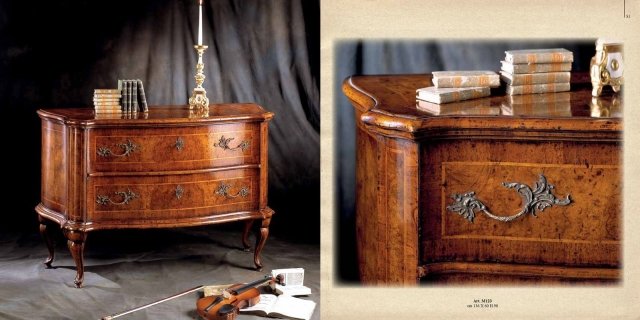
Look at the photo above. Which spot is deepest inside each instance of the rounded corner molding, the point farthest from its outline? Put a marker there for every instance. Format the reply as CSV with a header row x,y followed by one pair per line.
x,y
536,200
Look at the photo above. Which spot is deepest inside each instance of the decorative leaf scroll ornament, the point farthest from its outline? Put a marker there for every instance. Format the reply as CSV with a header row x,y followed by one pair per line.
x,y
224,188
535,200
127,149
126,196
223,143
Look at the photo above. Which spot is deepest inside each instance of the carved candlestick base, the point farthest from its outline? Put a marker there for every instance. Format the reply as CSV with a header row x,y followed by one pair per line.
x,y
199,100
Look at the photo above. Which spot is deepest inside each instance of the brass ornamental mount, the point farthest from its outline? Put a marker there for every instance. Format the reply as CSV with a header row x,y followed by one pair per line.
x,y
179,144
537,199
199,100
179,192
223,190
223,144
127,149
127,196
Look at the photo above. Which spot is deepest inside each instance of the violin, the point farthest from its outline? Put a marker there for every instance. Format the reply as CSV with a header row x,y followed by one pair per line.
x,y
238,296
224,307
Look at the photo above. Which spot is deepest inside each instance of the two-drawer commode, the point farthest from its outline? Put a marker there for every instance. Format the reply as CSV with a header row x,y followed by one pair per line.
x,y
165,168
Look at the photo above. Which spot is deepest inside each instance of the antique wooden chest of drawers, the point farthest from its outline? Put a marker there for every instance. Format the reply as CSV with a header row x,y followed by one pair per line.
x,y
504,189
165,168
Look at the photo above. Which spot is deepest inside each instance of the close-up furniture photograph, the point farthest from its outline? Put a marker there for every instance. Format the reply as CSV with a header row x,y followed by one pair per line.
x,y
476,162
169,154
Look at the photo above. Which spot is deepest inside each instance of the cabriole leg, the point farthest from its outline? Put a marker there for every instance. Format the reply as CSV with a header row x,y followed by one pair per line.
x,y
245,235
45,225
75,241
261,239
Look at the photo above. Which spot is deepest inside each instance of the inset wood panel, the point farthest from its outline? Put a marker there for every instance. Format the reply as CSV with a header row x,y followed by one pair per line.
x,y
591,217
54,166
587,232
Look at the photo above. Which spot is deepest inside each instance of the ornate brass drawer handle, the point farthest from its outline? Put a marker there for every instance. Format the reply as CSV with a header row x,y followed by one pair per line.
x,y
535,200
179,192
223,143
126,197
223,190
127,149
179,143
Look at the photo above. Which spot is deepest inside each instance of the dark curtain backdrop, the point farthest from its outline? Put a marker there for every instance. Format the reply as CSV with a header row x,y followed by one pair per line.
x,y
54,53
402,57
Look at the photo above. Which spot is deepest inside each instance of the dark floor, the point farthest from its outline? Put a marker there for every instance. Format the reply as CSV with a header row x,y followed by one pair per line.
x,y
125,269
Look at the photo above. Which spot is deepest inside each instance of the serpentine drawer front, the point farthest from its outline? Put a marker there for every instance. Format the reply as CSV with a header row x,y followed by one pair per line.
x,y
170,149
492,190
173,197
165,168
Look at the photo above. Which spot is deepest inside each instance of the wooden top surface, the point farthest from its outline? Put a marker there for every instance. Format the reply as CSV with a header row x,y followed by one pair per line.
x,y
158,115
388,105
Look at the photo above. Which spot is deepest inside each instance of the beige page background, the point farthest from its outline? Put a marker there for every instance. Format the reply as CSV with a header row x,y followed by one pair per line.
x,y
483,19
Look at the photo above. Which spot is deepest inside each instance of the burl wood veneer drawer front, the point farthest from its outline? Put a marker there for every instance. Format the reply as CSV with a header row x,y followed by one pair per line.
x,y
173,197
157,149
534,213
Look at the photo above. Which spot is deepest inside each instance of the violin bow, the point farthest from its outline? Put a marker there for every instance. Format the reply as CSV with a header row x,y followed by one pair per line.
x,y
278,278
117,315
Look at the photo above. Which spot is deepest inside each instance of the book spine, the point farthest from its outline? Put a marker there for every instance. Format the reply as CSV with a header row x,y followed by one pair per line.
x,y
121,92
538,88
129,96
107,95
464,95
467,81
535,78
143,98
134,92
108,91
106,103
125,99
541,57
113,103
541,67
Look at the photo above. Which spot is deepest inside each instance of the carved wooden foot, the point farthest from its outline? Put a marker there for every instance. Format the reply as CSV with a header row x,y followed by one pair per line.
x,y
48,239
245,235
75,242
261,239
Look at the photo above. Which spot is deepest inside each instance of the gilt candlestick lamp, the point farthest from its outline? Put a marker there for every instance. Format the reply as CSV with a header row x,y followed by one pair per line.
x,y
199,100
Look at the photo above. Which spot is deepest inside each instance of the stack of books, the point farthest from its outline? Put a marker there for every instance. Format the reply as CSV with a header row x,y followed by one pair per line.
x,y
537,70
106,100
451,86
133,97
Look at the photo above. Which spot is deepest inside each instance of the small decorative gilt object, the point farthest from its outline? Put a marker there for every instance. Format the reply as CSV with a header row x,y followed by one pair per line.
x,y
607,66
199,100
